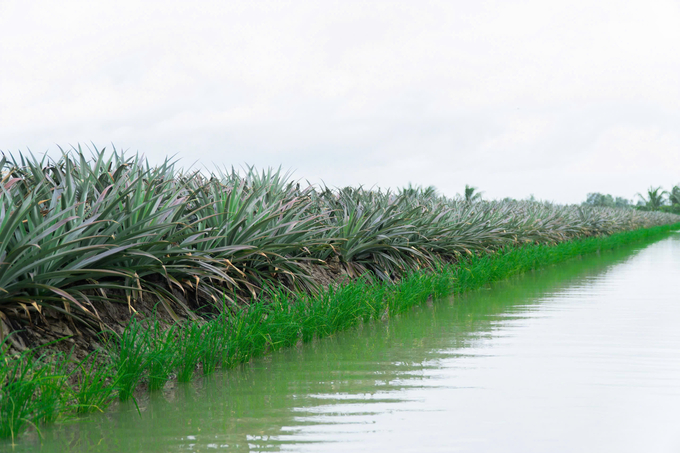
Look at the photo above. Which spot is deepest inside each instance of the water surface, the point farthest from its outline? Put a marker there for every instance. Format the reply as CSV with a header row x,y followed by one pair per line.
x,y
583,356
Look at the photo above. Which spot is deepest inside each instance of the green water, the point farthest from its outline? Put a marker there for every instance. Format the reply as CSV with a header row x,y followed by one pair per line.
x,y
584,356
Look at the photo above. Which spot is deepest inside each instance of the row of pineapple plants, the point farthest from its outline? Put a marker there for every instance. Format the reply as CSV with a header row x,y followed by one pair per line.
x,y
110,228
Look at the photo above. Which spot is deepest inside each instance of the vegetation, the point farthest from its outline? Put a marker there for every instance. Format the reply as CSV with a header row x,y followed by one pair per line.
x,y
38,389
655,198
78,233
606,201
230,264
471,194
674,196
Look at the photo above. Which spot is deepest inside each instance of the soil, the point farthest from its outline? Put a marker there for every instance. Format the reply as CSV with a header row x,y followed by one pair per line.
x,y
52,331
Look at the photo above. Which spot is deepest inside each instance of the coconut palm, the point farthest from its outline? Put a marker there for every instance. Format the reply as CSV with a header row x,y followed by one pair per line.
x,y
655,198
674,195
471,194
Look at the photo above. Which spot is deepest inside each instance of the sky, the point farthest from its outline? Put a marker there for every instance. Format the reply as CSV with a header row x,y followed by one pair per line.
x,y
554,99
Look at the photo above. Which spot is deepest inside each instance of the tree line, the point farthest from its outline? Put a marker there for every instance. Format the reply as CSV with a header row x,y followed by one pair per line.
x,y
655,199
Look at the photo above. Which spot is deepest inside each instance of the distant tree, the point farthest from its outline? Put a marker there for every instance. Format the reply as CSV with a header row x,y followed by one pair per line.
x,y
674,195
426,192
606,200
655,198
599,199
471,194
621,202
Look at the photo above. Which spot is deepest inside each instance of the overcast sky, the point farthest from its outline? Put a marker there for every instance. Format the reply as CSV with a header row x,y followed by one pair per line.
x,y
551,98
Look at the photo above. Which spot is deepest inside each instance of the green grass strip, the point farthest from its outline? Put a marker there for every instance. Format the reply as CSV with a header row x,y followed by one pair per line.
x,y
37,392
479,271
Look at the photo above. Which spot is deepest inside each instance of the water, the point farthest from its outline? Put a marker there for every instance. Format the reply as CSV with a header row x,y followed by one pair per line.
x,y
582,357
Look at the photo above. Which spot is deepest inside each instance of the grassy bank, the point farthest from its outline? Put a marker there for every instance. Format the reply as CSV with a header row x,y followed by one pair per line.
x,y
39,389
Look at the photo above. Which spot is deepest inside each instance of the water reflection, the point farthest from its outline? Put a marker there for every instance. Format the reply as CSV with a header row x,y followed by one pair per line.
x,y
478,372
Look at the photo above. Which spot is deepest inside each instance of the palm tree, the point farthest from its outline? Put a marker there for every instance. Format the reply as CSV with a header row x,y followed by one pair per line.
x,y
674,195
655,198
471,194
415,191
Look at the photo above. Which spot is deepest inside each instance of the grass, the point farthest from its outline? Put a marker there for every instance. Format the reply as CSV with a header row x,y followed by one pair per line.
x,y
131,358
20,399
188,343
94,385
161,355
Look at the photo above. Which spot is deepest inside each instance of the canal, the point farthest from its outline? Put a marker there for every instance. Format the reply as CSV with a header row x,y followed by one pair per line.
x,y
584,356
